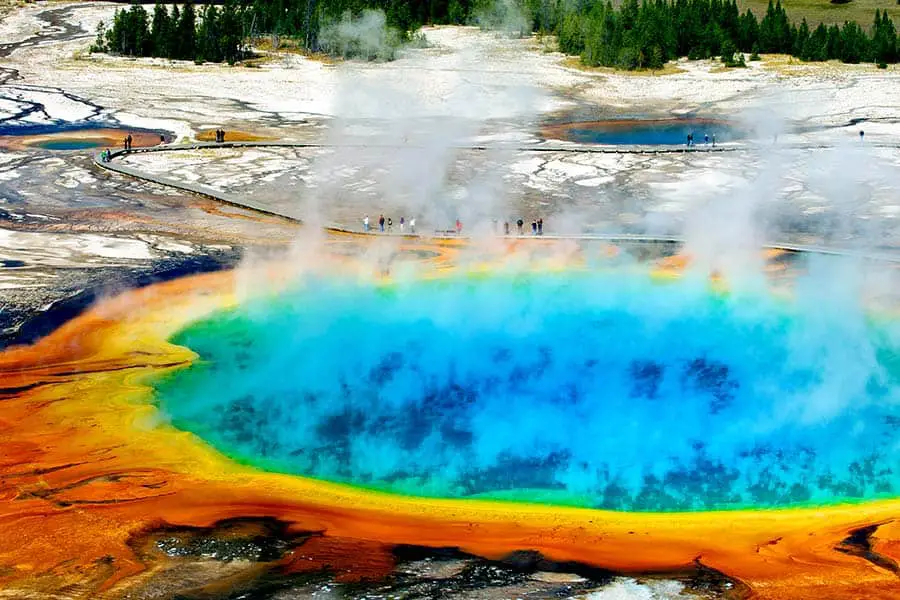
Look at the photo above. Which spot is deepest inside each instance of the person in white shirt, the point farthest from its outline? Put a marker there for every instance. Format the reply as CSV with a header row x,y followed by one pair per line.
x,y
366,222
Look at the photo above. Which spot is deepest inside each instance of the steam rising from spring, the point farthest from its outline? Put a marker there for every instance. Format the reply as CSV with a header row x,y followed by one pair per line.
x,y
402,145
367,36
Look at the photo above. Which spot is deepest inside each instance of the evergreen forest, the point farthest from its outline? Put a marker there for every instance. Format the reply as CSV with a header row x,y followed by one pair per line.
x,y
629,35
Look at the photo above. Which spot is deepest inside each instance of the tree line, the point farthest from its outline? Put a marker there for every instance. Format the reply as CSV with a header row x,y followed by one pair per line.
x,y
211,34
630,35
648,34
220,34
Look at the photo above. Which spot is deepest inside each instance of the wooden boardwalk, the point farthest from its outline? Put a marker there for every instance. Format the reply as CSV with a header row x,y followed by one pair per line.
x,y
888,254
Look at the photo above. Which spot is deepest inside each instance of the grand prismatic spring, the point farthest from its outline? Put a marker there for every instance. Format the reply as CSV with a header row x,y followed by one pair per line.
x,y
600,390
581,359
467,416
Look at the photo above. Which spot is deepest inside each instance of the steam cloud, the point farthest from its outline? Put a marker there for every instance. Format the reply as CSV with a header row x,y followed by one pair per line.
x,y
401,144
366,36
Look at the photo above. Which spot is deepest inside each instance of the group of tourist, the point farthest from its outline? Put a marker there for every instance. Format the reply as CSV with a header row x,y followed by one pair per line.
x,y
386,224
389,224
537,227
706,139
690,139
127,142
220,136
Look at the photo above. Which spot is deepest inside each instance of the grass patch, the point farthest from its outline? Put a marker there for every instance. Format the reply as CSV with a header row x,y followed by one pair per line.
x,y
574,62
285,44
789,65
268,53
291,46
547,44
823,11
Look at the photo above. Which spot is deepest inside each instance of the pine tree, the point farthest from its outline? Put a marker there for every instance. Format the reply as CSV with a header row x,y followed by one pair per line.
x,y
655,59
231,32
142,43
114,33
884,39
571,34
161,30
130,34
456,14
754,52
854,43
834,43
783,29
99,44
172,43
208,36
748,32
801,38
727,53
816,47
768,35
186,32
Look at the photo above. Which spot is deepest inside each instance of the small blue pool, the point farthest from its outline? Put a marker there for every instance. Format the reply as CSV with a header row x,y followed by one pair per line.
x,y
69,144
646,132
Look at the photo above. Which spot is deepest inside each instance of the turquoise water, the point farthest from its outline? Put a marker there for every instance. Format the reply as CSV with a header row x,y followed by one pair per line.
x,y
588,389
69,144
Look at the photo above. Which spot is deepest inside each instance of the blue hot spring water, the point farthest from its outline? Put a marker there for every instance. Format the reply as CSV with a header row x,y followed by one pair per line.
x,y
665,132
69,144
589,389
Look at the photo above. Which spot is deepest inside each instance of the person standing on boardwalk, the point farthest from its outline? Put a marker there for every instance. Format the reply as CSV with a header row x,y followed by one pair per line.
x,y
130,142
458,226
505,227
402,223
412,224
381,223
390,225
714,140
540,226
534,228
366,223
519,224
